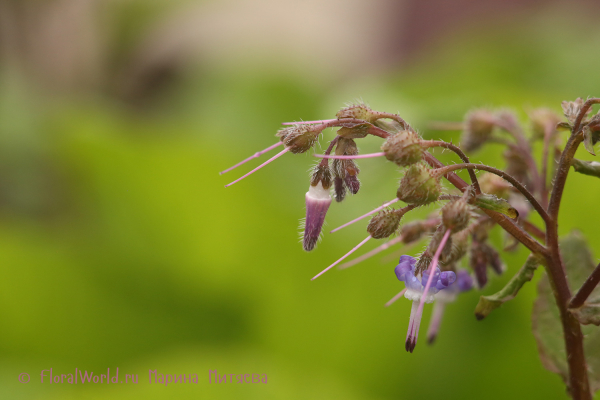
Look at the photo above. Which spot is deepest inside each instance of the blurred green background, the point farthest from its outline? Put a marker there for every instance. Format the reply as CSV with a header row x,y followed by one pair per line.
x,y
119,246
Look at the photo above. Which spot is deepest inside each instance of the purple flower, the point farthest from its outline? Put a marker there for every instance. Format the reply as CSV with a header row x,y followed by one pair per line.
x,y
415,287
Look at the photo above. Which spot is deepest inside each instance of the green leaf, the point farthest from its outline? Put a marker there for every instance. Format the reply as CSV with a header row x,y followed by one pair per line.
x,y
491,202
489,303
588,140
547,327
591,168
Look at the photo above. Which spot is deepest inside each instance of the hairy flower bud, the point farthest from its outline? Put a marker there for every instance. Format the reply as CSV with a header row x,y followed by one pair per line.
x,y
494,184
403,148
478,127
339,189
352,183
517,166
418,186
317,204
300,138
385,223
542,119
412,231
456,215
356,131
357,111
321,173
346,170
572,108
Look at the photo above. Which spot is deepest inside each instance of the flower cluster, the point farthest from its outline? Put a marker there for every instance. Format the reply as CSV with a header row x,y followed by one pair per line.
x,y
458,234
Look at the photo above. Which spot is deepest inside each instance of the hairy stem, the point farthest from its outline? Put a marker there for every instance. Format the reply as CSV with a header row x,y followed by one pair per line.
x,y
506,223
459,152
549,130
505,176
578,379
586,289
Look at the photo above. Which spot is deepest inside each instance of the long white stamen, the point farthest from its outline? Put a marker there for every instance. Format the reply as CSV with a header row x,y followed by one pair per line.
x,y
432,267
341,259
436,319
319,121
396,297
372,155
366,215
261,165
256,155
413,326
372,252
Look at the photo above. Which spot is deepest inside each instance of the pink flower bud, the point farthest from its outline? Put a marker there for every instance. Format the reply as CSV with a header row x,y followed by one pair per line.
x,y
317,204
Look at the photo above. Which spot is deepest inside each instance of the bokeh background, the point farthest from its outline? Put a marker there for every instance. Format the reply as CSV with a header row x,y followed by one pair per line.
x,y
120,247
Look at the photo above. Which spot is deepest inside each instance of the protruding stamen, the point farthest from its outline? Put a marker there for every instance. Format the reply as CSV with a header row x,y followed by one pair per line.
x,y
396,297
432,266
436,319
372,155
260,166
372,252
256,155
319,121
366,215
413,326
341,259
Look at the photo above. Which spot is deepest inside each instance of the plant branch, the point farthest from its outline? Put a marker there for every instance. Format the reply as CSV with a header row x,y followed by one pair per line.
x,y
586,289
523,147
459,152
506,223
549,131
507,177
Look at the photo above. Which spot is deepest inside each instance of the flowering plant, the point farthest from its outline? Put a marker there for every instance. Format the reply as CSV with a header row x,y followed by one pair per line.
x,y
459,233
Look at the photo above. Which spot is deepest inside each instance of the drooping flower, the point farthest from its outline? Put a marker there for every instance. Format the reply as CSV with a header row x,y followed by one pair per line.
x,y
417,292
464,282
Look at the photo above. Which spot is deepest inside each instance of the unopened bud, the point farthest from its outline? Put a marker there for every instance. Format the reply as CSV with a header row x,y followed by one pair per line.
x,y
541,120
356,131
385,223
572,108
460,244
493,259
436,239
517,166
494,184
357,111
321,173
478,263
317,204
418,186
300,138
352,183
339,189
456,215
347,170
412,231
478,127
403,148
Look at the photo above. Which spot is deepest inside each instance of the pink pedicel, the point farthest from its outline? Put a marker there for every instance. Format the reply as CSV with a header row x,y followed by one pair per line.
x,y
334,157
276,156
366,215
256,155
342,259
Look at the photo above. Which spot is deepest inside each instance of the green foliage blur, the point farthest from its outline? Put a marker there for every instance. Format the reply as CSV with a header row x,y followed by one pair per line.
x,y
120,247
